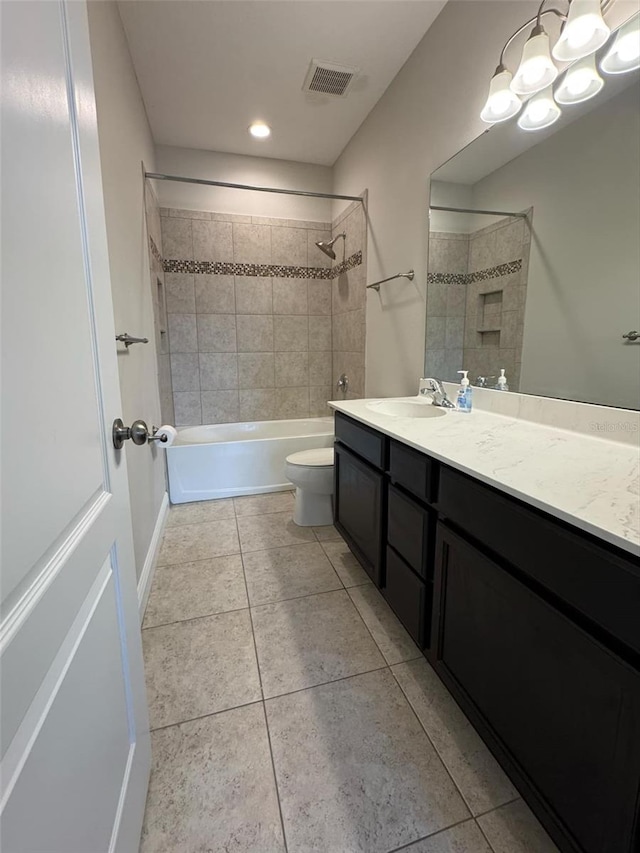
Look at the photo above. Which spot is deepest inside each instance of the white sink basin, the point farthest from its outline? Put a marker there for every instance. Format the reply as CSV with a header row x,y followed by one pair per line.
x,y
408,408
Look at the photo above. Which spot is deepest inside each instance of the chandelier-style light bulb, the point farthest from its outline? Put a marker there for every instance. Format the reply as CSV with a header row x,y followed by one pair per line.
x,y
624,53
536,70
502,103
580,82
541,111
583,33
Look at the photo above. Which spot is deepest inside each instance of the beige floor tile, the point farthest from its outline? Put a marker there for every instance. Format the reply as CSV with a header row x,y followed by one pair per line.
x,y
348,568
212,787
188,542
392,639
478,775
355,770
200,667
188,590
200,511
289,572
327,533
311,640
463,838
514,829
273,530
261,504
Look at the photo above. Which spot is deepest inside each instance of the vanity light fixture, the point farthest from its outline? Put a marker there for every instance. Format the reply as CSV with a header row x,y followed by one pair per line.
x,y
580,82
502,103
259,130
536,70
624,53
583,33
541,111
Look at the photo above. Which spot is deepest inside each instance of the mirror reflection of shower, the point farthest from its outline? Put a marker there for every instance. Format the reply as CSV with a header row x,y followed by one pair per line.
x,y
326,246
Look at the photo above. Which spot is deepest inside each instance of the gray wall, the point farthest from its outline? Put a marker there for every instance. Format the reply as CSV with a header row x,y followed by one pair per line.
x,y
125,142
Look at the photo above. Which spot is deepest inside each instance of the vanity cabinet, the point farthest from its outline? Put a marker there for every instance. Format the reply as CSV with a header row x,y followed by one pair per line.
x,y
532,624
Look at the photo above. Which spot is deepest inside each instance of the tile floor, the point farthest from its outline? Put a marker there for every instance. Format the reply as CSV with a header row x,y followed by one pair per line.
x,y
290,710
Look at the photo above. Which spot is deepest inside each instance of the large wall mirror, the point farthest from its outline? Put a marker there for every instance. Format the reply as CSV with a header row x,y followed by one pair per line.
x,y
534,255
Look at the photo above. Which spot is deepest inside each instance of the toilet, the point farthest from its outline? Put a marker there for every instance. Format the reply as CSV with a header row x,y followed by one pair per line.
x,y
311,472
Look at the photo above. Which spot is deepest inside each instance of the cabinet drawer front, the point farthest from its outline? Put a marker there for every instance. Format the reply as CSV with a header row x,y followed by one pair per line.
x,y
414,471
564,707
359,510
366,442
409,532
406,596
602,585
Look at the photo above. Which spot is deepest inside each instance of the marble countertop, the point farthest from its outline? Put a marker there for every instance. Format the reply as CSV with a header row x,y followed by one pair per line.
x,y
591,483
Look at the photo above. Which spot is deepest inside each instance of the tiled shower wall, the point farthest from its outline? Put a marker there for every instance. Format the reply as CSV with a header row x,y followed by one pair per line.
x,y
476,297
249,316
348,300
154,233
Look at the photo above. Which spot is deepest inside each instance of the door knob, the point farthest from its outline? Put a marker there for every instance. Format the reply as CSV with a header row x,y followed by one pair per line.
x,y
138,432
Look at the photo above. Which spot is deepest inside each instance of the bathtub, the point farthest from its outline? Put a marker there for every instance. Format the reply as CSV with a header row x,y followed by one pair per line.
x,y
226,460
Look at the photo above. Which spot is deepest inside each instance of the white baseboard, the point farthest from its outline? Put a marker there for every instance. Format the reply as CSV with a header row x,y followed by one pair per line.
x,y
146,578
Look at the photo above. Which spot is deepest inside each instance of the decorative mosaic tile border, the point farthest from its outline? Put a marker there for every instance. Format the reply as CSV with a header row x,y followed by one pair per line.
x,y
480,275
263,270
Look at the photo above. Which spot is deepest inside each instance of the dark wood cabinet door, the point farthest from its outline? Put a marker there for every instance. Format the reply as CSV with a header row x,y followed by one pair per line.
x,y
359,510
561,711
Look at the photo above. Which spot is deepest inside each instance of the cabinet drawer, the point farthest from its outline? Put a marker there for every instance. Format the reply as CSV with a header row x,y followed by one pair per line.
x,y
410,531
601,584
407,595
367,443
414,471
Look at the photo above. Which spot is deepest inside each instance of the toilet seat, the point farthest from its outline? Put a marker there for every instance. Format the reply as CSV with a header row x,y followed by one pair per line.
x,y
320,457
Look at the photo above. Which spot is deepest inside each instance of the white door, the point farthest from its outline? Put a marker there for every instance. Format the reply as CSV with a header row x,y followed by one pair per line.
x,y
74,727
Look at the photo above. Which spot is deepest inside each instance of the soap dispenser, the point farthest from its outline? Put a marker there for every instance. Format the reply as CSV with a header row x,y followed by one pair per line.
x,y
464,401
501,384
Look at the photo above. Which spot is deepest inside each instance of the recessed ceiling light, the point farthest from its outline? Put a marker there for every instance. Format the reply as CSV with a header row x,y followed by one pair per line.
x,y
260,130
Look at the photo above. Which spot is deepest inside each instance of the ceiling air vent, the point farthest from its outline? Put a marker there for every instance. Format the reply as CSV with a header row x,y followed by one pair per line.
x,y
329,78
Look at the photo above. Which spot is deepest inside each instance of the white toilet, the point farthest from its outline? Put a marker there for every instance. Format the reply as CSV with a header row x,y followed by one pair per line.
x,y
311,471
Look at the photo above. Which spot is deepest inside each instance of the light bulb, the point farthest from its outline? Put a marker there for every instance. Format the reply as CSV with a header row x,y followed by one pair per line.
x,y
584,32
624,53
259,130
501,103
580,82
536,70
541,111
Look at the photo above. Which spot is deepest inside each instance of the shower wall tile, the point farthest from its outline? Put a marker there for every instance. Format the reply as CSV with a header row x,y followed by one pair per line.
x,y
292,403
256,370
185,373
212,241
220,407
217,333
320,368
454,333
291,369
257,404
251,244
319,297
183,336
456,299
291,333
180,293
218,371
320,333
215,294
436,327
318,397
254,295
289,246
188,408
177,238
255,332
348,331
290,296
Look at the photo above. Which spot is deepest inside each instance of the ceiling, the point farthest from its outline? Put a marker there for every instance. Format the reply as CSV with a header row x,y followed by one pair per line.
x,y
208,69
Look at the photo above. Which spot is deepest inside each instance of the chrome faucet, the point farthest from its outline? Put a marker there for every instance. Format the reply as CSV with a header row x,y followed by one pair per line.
x,y
432,387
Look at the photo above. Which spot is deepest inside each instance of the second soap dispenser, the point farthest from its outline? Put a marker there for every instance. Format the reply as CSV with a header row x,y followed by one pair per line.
x,y
464,401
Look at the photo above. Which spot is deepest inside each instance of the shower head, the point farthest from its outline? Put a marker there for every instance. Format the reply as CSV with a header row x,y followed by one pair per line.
x,y
326,246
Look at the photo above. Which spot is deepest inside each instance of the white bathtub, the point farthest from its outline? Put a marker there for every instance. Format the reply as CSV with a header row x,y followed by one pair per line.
x,y
225,460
